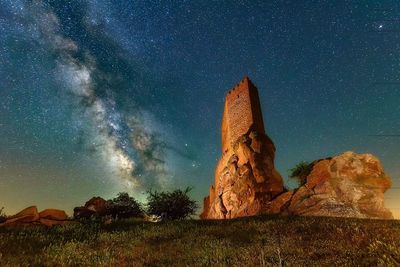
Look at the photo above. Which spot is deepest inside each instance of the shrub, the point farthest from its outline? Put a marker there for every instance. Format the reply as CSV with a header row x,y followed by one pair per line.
x,y
124,206
301,171
171,205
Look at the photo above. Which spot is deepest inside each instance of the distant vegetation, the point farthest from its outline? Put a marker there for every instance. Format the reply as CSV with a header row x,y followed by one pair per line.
x,y
254,241
124,206
3,216
301,171
173,205
165,205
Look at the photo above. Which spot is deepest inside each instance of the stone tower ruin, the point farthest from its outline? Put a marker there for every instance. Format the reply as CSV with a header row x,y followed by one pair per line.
x,y
245,176
241,112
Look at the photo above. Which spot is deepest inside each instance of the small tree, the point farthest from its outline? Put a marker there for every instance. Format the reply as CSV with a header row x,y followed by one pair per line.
x,y
124,206
171,205
301,171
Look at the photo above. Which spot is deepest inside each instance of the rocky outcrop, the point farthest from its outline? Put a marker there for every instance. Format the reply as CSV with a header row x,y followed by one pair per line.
x,y
246,179
245,176
95,207
31,216
348,185
53,214
247,183
50,217
26,215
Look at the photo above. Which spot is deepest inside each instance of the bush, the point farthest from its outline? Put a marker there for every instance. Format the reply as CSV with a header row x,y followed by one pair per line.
x,y
171,205
3,216
124,206
301,171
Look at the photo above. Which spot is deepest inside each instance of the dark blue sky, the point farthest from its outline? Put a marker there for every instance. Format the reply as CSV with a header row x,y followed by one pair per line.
x,y
98,97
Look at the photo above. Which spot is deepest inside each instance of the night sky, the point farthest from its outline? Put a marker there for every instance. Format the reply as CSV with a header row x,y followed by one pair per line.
x,y
98,97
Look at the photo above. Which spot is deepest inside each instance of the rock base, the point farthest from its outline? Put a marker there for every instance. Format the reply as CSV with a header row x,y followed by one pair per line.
x,y
245,179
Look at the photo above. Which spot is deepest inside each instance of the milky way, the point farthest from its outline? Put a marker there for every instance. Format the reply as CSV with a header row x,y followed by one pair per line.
x,y
98,97
108,118
125,142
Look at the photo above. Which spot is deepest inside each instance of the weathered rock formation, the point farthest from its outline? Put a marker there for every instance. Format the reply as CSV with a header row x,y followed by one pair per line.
x,y
348,185
27,215
245,176
31,216
246,182
94,207
50,217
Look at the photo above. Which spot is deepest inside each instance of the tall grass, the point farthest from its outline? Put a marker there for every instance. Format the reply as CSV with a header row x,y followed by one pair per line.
x,y
256,241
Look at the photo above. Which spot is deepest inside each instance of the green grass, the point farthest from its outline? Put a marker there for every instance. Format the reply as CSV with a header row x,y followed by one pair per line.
x,y
256,241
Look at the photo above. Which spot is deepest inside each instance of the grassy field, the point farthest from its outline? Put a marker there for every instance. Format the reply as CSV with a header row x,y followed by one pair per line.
x,y
256,241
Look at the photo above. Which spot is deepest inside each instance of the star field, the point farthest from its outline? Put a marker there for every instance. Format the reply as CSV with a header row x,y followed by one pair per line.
x,y
98,97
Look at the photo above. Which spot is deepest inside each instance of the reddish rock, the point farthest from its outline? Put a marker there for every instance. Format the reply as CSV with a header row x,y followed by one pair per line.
x,y
96,206
27,215
245,176
53,214
30,216
50,222
278,204
319,175
349,185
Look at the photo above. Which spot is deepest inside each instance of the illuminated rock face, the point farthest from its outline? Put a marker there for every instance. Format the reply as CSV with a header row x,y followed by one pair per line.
x,y
245,176
348,185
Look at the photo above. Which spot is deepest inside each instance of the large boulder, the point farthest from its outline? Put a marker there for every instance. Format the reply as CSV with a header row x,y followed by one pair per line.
x,y
31,216
53,214
245,179
97,204
27,215
348,185
96,207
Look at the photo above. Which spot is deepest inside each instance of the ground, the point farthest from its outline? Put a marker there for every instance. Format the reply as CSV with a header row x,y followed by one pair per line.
x,y
255,241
